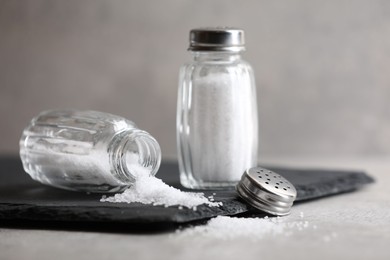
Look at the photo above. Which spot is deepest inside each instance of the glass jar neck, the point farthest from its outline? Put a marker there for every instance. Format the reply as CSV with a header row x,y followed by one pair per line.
x,y
134,152
215,56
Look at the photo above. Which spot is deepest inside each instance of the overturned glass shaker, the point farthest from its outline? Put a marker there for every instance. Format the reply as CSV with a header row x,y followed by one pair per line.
x,y
87,151
217,124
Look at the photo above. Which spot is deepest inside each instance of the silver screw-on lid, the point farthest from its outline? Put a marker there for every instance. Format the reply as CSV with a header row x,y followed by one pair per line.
x,y
267,191
217,39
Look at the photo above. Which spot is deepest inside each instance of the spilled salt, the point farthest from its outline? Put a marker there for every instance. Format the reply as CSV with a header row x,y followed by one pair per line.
x,y
228,228
148,189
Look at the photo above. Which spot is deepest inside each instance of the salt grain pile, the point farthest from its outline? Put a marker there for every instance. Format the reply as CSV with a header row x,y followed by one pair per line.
x,y
150,190
228,228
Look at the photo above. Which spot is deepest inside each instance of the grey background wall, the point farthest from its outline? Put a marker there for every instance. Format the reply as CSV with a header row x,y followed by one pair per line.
x,y
322,67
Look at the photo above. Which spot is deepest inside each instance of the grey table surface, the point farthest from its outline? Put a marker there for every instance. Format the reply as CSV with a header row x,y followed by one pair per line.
x,y
351,226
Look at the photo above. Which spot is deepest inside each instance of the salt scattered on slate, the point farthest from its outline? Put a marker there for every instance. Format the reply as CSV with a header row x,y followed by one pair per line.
x,y
149,190
228,228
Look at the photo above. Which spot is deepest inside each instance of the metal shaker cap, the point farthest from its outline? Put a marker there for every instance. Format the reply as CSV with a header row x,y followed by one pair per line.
x,y
267,191
217,39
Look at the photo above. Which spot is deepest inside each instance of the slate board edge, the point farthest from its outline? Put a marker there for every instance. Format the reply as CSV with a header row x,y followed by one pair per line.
x,y
356,180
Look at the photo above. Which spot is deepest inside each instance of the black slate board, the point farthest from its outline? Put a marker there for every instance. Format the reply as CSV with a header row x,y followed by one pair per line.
x,y
26,202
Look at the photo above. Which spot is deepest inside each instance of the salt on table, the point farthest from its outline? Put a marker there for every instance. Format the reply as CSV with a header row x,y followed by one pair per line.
x,y
230,228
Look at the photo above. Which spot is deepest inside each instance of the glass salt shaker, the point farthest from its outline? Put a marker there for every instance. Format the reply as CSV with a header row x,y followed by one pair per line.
x,y
87,151
217,122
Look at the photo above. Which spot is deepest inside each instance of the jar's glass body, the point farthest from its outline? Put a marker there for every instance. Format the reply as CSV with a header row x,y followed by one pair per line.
x,y
86,150
217,122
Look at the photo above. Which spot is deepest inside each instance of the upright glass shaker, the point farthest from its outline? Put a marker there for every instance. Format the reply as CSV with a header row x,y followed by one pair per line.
x,y
217,122
87,151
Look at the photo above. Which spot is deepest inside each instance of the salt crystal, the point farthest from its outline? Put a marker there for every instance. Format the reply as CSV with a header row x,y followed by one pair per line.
x,y
228,228
149,190
223,122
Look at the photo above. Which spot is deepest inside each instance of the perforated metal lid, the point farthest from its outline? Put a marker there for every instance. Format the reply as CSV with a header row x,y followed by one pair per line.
x,y
267,191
